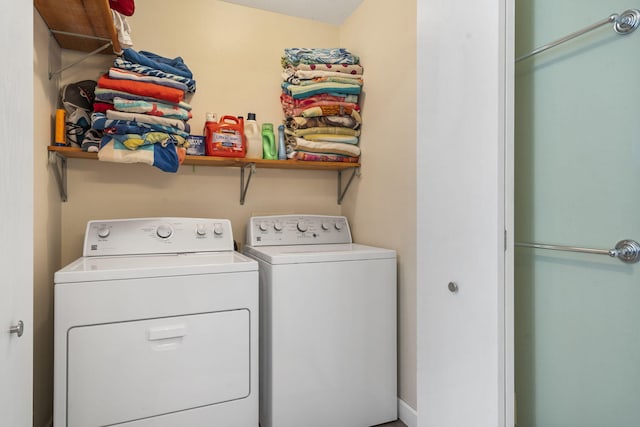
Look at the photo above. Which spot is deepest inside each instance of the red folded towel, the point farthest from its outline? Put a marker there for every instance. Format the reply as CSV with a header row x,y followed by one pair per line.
x,y
152,90
125,7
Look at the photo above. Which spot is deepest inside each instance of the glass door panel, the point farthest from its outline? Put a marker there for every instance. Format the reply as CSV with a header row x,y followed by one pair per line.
x,y
577,184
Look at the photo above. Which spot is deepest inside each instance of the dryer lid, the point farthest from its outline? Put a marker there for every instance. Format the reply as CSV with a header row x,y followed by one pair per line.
x,y
91,269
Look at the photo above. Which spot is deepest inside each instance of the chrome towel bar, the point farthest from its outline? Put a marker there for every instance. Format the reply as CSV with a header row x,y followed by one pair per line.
x,y
627,251
624,23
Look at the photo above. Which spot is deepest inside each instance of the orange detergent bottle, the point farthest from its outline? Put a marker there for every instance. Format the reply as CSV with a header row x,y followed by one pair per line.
x,y
225,138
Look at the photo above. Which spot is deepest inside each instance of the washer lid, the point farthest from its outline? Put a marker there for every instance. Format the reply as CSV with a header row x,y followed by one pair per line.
x,y
302,254
91,269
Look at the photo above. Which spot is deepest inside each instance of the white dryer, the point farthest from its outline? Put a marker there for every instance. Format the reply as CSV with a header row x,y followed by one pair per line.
x,y
156,325
327,324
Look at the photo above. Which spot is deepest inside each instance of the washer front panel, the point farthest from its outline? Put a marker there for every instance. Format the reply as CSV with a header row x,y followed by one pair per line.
x,y
328,340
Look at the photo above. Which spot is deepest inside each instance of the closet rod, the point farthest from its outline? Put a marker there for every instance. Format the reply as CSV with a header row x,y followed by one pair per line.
x,y
625,23
627,251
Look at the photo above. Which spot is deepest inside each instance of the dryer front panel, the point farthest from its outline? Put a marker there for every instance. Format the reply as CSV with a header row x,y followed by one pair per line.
x,y
134,370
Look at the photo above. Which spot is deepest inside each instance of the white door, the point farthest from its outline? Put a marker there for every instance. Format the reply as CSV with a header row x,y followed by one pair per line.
x,y
465,74
16,213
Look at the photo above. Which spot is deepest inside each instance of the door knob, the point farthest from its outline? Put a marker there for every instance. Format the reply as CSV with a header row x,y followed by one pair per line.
x,y
453,287
17,329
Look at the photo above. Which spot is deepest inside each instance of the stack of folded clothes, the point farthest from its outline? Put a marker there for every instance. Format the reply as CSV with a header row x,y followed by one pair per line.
x,y
320,93
139,107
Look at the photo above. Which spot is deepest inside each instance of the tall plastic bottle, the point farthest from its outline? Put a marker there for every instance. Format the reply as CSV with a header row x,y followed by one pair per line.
x,y
244,137
282,150
269,147
209,120
254,138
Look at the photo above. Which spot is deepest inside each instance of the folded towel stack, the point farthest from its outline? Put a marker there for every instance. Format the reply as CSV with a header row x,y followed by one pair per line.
x,y
320,93
140,109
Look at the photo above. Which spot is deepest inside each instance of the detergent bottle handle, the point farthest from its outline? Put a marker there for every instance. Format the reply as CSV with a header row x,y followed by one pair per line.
x,y
227,119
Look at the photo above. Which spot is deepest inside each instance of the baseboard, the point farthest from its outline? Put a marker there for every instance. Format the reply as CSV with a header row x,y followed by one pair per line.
x,y
407,414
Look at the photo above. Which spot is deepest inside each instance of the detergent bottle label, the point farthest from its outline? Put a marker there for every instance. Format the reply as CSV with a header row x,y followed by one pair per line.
x,y
227,141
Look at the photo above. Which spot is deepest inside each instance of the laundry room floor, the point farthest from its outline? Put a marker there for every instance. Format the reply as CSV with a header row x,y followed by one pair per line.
x,y
393,424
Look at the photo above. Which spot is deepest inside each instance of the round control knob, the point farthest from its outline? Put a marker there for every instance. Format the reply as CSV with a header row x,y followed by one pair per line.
x,y
263,226
164,231
217,229
277,226
302,226
325,226
103,232
201,230
338,226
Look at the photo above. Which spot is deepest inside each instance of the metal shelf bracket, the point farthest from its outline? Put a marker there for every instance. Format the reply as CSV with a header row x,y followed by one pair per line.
x,y
245,186
59,164
341,192
88,55
58,158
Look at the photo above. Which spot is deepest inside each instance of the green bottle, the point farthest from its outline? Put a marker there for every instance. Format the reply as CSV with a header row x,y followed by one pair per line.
x,y
269,147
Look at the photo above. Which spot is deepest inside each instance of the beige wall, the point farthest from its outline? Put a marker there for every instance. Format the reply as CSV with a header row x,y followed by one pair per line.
x,y
46,227
234,53
382,205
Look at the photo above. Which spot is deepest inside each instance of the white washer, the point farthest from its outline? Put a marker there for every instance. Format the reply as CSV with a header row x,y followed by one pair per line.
x,y
327,324
156,325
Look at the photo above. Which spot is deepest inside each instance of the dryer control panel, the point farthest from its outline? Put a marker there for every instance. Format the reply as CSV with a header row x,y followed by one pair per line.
x,y
280,230
139,236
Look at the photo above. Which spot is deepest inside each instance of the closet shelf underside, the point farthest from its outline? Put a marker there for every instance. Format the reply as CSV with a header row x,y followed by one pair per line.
x,y
88,22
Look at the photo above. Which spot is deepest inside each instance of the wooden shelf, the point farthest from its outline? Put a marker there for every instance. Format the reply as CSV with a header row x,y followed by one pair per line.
x,y
82,25
76,153
58,156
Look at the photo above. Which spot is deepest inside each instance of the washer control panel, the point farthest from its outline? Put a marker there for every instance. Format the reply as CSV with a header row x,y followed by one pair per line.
x,y
157,236
280,230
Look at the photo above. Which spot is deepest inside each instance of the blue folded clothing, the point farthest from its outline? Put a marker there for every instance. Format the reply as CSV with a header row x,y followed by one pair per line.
x,y
164,157
153,60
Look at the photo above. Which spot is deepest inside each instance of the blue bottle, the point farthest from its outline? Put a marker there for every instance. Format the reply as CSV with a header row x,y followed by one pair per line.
x,y
282,150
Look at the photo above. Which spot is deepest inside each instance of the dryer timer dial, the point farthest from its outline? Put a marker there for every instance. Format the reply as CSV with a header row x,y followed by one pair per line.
x,y
164,231
103,232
